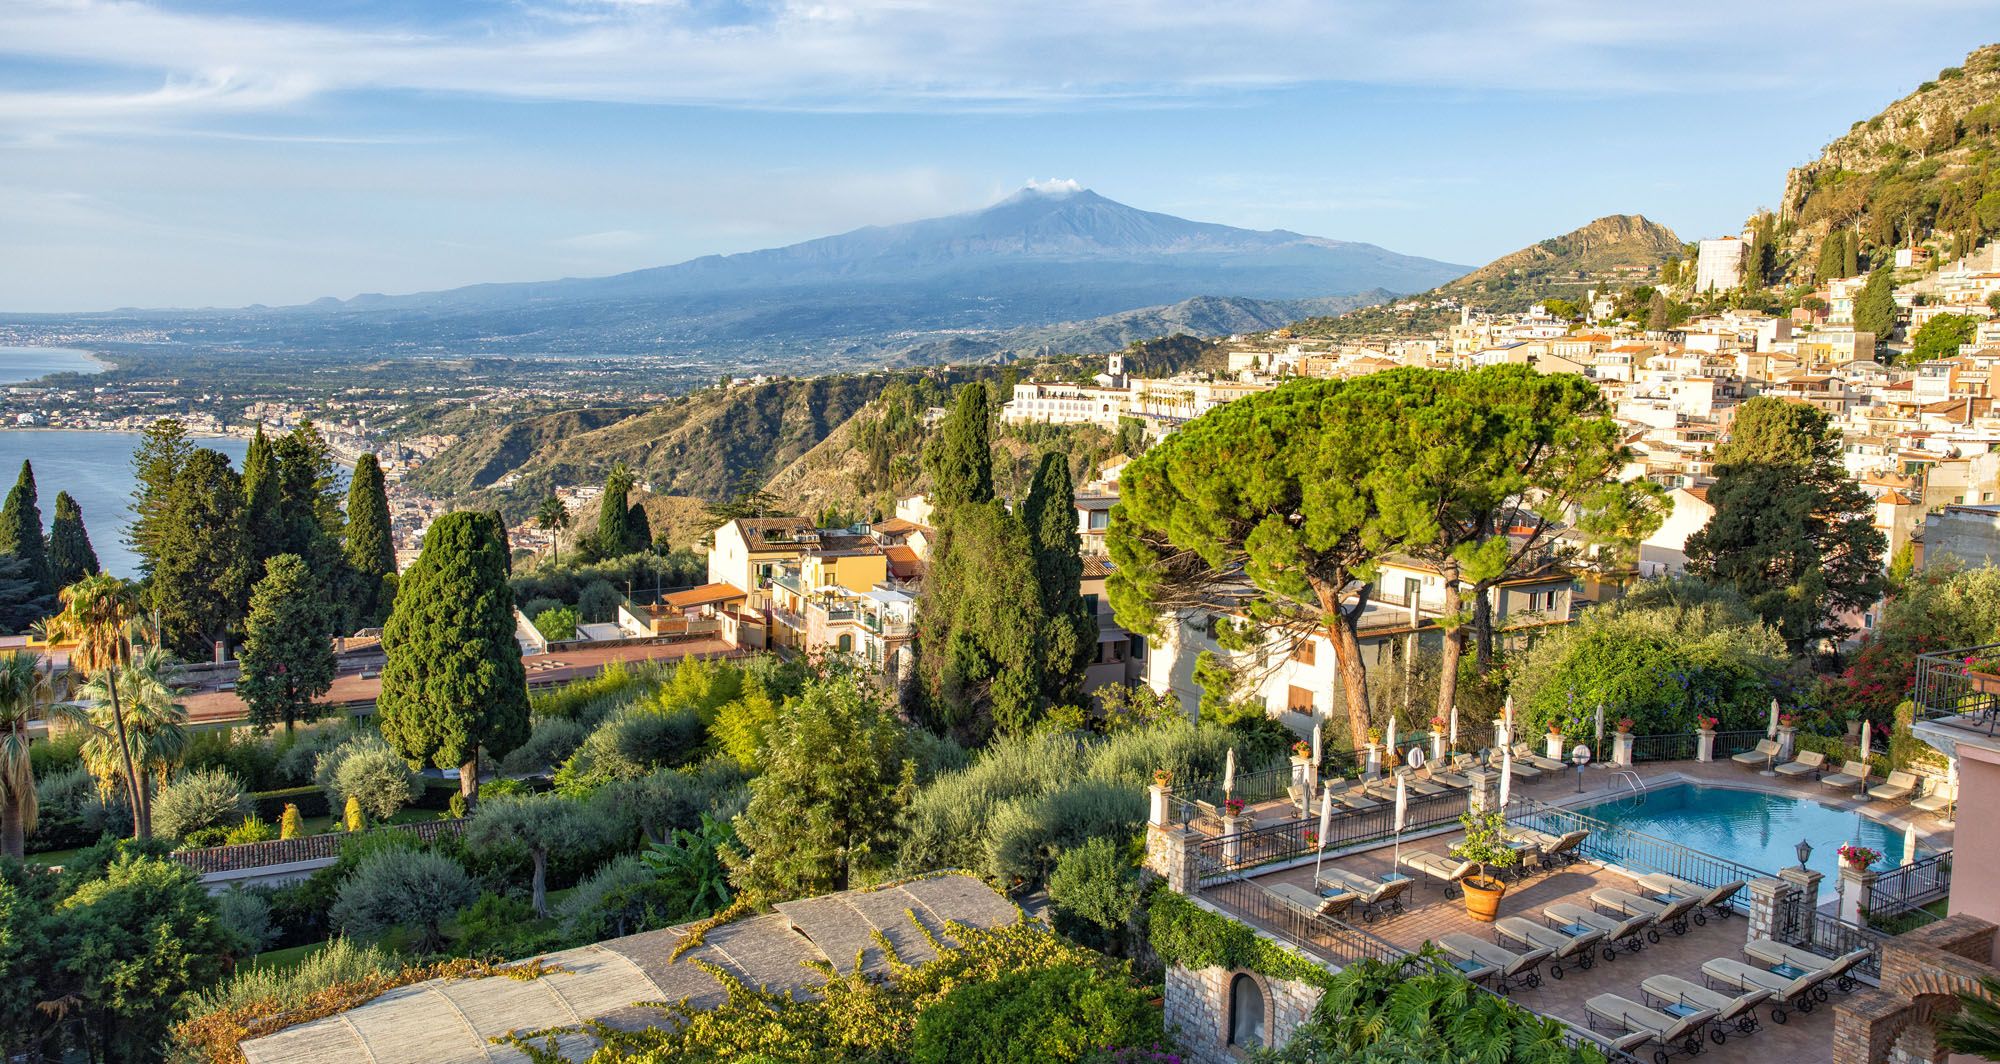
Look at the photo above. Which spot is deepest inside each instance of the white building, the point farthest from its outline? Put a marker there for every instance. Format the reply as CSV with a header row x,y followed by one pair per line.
x,y
1720,264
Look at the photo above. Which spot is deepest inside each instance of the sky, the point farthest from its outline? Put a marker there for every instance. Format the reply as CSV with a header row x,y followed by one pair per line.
x,y
216,153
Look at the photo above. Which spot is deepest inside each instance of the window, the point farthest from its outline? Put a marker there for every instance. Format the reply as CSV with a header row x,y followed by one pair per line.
x,y
1305,652
1090,605
845,644
1298,699
1246,1013
1138,648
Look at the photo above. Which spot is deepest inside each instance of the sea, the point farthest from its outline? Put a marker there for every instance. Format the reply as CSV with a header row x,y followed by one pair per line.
x,y
94,467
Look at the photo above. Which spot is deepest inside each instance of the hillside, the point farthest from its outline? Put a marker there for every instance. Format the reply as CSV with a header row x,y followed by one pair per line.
x,y
1922,165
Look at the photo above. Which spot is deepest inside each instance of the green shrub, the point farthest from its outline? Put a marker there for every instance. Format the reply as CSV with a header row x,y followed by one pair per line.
x,y
210,798
252,829
342,961
300,758
367,770
556,624
602,906
249,757
415,892
57,754
1059,1013
1095,885
1029,833
654,806
634,743
248,915
74,811
552,740
310,800
598,601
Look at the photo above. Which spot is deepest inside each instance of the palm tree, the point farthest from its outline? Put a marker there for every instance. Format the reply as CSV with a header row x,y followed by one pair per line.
x,y
553,516
1975,1028
23,688
155,724
97,615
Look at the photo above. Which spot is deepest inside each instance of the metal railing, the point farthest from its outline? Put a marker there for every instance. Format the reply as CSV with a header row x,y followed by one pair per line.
x,y
1947,688
1801,925
1897,900
1333,941
249,855
1227,857
1635,851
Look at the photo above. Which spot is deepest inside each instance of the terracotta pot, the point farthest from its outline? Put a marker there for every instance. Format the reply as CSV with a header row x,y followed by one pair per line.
x,y
1482,897
1985,683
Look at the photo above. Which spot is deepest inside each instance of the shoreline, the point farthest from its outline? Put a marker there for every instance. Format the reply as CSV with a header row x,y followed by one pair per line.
x,y
103,364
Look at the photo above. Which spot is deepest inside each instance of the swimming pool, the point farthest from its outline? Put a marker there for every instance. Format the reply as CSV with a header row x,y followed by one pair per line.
x,y
1751,827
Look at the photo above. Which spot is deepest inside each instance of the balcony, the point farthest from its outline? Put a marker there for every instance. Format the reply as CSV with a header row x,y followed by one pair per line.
x,y
1956,702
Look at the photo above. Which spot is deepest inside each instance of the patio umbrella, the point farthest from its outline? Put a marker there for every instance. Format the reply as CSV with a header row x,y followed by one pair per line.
x,y
1506,774
1325,826
1867,734
1402,812
1392,733
1771,729
1315,743
1229,773
1600,730
1507,716
1453,738
1909,842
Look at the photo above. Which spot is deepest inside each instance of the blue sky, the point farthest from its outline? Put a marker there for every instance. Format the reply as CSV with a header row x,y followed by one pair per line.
x,y
222,153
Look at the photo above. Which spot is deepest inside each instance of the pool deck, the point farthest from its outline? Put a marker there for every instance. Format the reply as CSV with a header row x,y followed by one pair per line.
x,y
1804,1038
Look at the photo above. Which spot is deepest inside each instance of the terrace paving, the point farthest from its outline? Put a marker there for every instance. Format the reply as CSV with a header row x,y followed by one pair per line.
x,y
1805,1037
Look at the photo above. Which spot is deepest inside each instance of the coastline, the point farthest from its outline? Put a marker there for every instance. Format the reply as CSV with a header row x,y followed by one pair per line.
x,y
103,363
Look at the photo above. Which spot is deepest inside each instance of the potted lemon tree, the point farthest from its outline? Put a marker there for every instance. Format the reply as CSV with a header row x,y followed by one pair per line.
x,y
1485,844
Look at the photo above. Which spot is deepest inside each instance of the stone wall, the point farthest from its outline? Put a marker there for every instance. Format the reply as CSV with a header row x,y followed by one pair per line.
x,y
1922,971
1197,1011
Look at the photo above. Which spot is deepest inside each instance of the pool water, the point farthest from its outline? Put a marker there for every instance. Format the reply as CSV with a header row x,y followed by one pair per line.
x,y
1752,828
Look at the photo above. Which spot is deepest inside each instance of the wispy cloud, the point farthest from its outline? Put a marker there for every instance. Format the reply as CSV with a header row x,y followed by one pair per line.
x,y
908,55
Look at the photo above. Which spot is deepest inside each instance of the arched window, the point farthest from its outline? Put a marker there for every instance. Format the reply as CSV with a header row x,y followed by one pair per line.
x,y
846,644
1246,1013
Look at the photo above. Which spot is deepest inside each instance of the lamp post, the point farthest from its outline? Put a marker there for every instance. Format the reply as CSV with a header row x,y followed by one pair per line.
x,y
1804,852
1581,756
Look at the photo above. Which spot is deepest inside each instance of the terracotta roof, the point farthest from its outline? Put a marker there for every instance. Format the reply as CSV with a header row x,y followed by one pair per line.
x,y
1897,498
1699,492
894,526
1096,566
903,561
757,532
705,595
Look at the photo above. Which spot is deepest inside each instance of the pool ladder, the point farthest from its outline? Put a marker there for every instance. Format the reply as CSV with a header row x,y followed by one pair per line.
x,y
1626,778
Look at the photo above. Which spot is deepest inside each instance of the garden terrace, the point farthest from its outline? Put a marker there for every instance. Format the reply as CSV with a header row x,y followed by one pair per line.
x,y
450,1021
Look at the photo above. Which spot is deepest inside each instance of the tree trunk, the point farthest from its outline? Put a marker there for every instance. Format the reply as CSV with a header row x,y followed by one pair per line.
x,y
142,826
13,837
1454,646
468,779
1482,627
541,887
1347,659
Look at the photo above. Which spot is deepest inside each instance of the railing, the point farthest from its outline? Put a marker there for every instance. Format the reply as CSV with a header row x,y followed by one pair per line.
x,y
1897,900
1947,689
1673,746
1822,932
1330,940
1230,857
1635,851
306,848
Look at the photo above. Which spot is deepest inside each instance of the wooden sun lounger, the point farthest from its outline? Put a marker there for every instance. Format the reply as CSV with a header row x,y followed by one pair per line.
x,y
1672,915
1808,763
1351,796
1712,899
1628,933
1581,949
1526,752
1682,1033
1787,992
1763,753
1780,955
1851,774
1311,904
1526,773
1444,777
1509,969
1898,786
1939,801
1374,896
1679,997
1448,872
1564,851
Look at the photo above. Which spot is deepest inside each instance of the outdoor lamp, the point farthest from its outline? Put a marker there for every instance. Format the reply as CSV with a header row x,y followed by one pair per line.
x,y
1804,850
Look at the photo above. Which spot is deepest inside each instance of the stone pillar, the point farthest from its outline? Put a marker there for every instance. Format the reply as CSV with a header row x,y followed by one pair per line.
x,y
1232,841
1621,749
1485,792
1374,770
1500,734
1766,897
1305,776
1160,804
1553,748
1787,743
1437,746
1172,854
1704,747
1857,892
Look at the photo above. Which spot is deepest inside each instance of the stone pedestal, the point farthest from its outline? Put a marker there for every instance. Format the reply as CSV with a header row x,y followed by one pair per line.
x,y
1232,841
1171,854
1485,792
1437,747
1553,747
1305,776
1857,893
1766,896
1704,745
1160,805
1805,883
1787,743
1374,769
1621,749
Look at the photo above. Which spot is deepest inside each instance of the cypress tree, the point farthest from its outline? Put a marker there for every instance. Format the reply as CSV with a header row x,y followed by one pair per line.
x,y
638,529
308,512
263,524
960,458
201,582
1850,254
71,557
1875,307
454,682
163,448
614,513
287,648
371,549
1069,637
21,530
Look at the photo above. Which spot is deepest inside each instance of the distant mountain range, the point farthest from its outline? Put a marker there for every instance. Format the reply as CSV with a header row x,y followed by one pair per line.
x,y
966,283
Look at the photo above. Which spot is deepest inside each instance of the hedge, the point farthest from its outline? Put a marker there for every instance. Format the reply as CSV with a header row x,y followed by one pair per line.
x,y
271,804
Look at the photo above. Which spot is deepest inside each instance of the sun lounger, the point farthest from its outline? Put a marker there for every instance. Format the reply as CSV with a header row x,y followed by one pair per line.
x,y
1787,958
1522,770
1939,801
1765,752
1682,1033
1679,997
1628,933
1443,777
1567,849
1351,796
1898,786
1526,752
1787,992
1309,903
1449,872
1579,949
1851,774
1417,784
1672,915
1712,899
1509,969
1808,763
1622,1044
1374,896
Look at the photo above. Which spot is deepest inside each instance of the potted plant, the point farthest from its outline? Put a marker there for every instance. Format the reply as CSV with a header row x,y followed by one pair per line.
x,y
1485,844
1302,749
1437,725
1624,725
1161,777
1233,806
1374,736
1555,728
1859,857
1786,720
1984,671
1708,723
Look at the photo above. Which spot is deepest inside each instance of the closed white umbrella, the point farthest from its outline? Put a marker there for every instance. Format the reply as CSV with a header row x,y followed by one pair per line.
x,y
1453,738
1507,715
1325,827
1402,810
1867,734
1909,842
1315,742
1771,729
1229,773
1392,733
1600,729
1506,774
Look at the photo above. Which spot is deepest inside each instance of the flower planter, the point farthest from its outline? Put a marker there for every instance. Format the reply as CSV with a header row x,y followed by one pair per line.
x,y
1985,683
1482,897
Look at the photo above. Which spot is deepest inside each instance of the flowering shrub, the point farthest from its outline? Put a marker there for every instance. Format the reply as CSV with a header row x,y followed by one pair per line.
x,y
1709,723
1859,856
1786,720
1437,723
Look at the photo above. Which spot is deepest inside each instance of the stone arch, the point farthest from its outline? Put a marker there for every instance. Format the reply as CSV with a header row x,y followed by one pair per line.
x,y
1242,1030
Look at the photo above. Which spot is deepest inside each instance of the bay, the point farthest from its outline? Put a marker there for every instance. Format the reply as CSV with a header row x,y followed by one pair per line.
x,y
19,365
96,469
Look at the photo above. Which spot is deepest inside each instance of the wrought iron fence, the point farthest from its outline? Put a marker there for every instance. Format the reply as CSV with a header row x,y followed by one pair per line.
x,y
1731,743
249,855
1635,851
1228,857
1898,899
1947,686
1331,940
1673,746
1809,928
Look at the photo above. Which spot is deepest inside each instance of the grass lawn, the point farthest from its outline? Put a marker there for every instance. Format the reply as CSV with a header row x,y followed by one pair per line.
x,y
283,959
53,857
